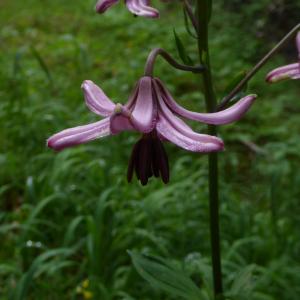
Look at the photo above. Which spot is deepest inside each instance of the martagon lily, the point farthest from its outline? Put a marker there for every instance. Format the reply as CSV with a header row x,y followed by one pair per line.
x,y
137,7
291,71
153,112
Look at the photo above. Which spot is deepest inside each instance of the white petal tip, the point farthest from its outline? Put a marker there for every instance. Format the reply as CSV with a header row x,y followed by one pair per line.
x,y
254,96
86,83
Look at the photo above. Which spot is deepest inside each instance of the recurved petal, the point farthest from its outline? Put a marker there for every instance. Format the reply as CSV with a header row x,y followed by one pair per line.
x,y
144,113
141,8
181,126
291,71
195,143
103,5
229,115
79,135
179,133
96,100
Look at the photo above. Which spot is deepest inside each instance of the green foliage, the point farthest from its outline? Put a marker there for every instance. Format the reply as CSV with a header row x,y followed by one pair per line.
x,y
40,265
181,50
233,83
165,276
67,219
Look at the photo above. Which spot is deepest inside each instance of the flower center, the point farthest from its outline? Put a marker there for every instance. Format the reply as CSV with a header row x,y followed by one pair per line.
x,y
118,108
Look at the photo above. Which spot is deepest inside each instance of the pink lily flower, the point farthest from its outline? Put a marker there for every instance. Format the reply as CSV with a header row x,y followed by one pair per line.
x,y
291,71
137,7
153,112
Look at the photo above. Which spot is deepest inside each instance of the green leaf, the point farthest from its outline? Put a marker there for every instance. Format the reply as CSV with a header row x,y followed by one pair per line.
x,y
99,237
243,283
8,269
71,230
42,63
181,50
23,285
187,25
165,276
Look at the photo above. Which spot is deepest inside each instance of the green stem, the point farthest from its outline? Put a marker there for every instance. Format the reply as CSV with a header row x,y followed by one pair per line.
x,y
258,66
203,9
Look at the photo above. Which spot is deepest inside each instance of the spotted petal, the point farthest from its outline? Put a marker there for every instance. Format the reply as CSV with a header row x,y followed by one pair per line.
x,y
141,8
229,115
79,135
96,100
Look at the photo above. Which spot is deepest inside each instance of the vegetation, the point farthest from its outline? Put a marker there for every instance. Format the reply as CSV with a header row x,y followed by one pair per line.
x,y
67,220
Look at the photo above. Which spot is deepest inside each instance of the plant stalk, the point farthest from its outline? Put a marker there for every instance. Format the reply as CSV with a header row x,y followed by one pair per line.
x,y
149,67
258,66
202,15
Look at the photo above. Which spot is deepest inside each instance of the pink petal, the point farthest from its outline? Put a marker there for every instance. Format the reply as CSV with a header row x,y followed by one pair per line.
x,y
291,71
141,8
79,135
296,76
229,115
132,98
103,5
96,100
144,113
120,120
181,126
192,142
139,113
119,123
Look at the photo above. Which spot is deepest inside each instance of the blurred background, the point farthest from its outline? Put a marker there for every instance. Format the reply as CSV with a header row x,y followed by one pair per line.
x,y
67,219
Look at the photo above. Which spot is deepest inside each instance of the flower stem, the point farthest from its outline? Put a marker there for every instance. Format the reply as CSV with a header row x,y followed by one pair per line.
x,y
258,66
203,8
163,53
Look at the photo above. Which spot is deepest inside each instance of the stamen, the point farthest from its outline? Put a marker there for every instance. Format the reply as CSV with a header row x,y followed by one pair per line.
x,y
163,162
133,160
144,160
148,158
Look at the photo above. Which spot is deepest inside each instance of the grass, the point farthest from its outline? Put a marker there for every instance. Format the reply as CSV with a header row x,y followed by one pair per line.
x,y
67,219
